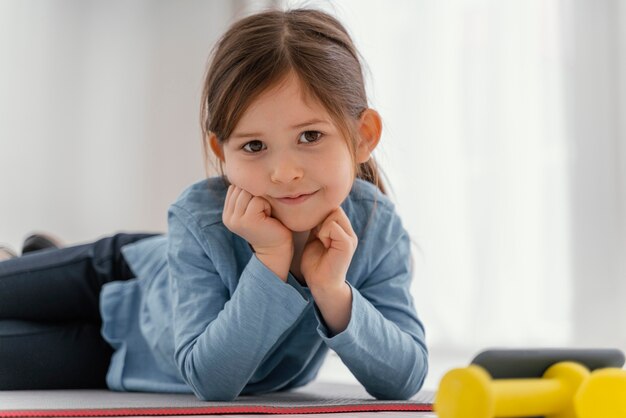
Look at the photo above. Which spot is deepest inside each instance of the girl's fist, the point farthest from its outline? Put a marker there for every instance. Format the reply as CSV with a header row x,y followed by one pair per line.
x,y
328,252
250,217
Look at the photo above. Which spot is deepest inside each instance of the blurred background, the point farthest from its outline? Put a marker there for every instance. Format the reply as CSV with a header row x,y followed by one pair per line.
x,y
504,145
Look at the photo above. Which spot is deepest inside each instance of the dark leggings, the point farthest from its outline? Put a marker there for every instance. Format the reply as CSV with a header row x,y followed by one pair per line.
x,y
50,315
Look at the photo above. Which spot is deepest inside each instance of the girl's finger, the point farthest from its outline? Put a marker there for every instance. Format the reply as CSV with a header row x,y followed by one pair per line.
x,y
232,200
339,238
258,205
342,219
324,232
228,200
227,213
241,204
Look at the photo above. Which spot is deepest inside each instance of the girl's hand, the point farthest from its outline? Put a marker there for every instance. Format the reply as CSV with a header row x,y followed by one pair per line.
x,y
328,252
250,217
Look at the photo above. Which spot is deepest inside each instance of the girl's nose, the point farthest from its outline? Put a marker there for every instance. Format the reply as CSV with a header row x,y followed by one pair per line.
x,y
285,170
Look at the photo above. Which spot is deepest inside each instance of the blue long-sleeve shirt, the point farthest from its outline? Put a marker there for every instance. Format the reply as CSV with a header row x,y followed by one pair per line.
x,y
204,315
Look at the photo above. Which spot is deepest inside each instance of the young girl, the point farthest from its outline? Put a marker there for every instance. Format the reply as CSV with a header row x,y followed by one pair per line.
x,y
294,250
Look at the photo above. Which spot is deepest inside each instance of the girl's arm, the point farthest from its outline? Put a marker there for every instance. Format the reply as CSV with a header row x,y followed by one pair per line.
x,y
221,338
383,344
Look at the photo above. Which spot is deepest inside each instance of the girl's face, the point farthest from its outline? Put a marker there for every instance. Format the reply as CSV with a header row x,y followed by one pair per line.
x,y
287,150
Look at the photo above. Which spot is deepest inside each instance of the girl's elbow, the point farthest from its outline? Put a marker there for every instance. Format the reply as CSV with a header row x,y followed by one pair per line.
x,y
213,389
411,388
207,385
417,378
215,395
411,384
403,393
393,395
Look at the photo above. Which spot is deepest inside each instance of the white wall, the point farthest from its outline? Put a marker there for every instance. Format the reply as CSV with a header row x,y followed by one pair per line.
x,y
99,105
596,115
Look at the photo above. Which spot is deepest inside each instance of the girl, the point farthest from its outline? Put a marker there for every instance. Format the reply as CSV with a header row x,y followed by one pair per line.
x,y
295,249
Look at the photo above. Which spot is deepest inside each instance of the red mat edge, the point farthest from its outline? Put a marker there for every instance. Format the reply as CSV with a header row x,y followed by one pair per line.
x,y
121,412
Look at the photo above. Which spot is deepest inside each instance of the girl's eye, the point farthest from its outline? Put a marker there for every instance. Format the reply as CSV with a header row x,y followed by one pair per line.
x,y
310,136
253,146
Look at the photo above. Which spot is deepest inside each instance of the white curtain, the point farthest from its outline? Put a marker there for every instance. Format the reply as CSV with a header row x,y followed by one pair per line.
x,y
505,147
504,144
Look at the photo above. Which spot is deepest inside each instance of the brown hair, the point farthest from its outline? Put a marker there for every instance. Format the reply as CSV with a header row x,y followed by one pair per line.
x,y
258,51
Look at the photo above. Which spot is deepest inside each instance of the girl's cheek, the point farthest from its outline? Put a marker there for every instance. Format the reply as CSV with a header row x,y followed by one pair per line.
x,y
232,175
243,179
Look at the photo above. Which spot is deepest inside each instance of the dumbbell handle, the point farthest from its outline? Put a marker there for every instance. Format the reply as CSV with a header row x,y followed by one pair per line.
x,y
530,397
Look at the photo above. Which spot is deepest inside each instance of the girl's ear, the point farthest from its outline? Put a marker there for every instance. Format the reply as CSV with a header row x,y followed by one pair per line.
x,y
216,147
370,128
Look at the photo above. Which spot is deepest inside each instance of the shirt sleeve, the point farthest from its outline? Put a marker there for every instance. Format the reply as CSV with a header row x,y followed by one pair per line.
x,y
384,344
221,338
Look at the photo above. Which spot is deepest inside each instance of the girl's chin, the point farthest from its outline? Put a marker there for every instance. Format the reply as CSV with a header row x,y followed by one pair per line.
x,y
300,225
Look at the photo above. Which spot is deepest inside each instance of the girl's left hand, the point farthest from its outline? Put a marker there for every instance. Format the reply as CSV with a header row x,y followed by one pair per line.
x,y
328,252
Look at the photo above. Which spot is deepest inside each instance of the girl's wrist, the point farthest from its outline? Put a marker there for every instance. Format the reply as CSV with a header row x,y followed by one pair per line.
x,y
322,292
285,249
278,263
335,304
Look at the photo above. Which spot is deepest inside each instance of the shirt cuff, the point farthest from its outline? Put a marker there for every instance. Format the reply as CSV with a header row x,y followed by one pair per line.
x,y
304,291
271,283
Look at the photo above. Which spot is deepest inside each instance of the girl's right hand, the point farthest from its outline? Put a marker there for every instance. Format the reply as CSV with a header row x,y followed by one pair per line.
x,y
250,217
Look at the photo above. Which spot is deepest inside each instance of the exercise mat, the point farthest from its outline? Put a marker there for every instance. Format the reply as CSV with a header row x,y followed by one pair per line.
x,y
314,398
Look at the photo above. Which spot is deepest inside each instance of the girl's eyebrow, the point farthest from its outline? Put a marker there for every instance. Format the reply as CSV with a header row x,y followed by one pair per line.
x,y
299,125
309,122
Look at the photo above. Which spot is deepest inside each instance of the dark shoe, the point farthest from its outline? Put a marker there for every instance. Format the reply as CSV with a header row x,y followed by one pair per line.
x,y
6,252
36,242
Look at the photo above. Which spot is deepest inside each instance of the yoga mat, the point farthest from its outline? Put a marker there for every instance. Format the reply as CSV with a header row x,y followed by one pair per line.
x,y
314,398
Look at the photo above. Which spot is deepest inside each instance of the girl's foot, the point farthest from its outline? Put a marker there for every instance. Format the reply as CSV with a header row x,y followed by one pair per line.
x,y
6,252
38,241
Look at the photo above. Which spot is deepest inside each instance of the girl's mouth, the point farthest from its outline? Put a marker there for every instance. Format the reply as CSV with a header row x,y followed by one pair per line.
x,y
296,199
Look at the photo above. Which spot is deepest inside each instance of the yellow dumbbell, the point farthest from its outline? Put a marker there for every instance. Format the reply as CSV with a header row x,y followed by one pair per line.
x,y
471,392
602,395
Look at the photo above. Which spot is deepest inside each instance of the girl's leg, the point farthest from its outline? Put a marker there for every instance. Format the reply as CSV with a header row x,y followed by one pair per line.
x,y
63,284
52,356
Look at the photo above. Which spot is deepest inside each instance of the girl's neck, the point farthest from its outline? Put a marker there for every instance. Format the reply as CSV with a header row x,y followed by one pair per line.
x,y
299,241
